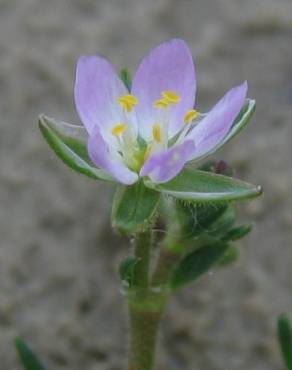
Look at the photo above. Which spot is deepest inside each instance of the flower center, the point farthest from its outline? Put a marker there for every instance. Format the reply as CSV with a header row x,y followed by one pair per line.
x,y
134,151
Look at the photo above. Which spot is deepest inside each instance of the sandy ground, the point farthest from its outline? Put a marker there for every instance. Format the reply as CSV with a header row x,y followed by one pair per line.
x,y
58,258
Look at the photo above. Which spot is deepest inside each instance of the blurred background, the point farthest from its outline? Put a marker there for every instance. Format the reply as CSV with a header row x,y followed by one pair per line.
x,y
58,256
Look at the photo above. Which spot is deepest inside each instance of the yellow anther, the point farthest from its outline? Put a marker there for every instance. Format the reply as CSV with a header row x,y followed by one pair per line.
x,y
119,129
161,104
191,115
128,102
171,97
156,132
131,99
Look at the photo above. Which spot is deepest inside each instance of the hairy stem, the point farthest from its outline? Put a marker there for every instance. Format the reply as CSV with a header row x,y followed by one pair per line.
x,y
143,247
144,325
145,308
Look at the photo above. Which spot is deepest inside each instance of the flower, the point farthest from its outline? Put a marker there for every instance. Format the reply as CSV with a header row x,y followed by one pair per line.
x,y
153,130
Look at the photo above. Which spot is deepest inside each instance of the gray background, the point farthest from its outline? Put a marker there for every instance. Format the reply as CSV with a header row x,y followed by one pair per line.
x,y
58,258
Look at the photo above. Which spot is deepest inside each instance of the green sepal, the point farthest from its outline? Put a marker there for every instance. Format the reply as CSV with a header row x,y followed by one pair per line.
x,y
126,77
239,124
134,208
285,339
230,256
28,358
238,232
196,263
127,270
69,144
206,187
241,121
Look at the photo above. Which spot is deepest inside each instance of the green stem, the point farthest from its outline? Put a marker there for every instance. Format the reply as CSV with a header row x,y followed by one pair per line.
x,y
143,246
144,325
145,308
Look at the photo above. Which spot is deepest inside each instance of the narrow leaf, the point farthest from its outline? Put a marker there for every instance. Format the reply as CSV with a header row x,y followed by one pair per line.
x,y
193,265
69,144
196,219
285,339
238,232
29,359
202,187
134,207
230,256
223,224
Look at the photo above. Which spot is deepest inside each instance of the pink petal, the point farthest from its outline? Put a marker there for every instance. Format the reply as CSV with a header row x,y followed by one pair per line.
x,y
167,67
163,166
97,88
101,156
214,127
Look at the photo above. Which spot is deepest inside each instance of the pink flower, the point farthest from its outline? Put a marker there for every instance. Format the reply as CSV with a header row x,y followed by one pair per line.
x,y
153,130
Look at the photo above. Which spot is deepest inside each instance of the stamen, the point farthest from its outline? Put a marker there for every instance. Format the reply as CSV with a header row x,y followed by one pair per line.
x,y
156,132
119,129
128,102
131,99
171,97
190,116
161,104
147,152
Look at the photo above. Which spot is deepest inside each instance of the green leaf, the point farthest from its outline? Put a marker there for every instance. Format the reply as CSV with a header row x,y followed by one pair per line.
x,y
238,232
285,339
127,270
193,265
223,224
29,359
134,207
202,187
230,256
196,219
125,76
69,144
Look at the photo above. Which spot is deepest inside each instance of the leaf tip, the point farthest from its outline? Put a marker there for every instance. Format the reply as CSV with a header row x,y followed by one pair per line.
x,y
259,189
42,119
17,342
